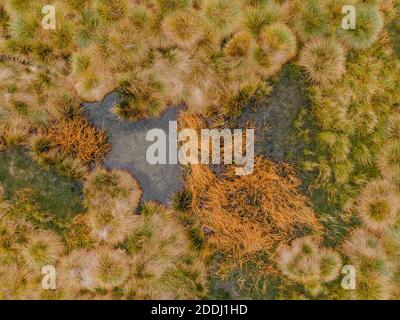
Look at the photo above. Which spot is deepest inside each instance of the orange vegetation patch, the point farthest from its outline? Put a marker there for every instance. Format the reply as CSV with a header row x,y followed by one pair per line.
x,y
254,213
77,138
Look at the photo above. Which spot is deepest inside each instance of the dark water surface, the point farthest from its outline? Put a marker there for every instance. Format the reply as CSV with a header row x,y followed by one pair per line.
x,y
129,146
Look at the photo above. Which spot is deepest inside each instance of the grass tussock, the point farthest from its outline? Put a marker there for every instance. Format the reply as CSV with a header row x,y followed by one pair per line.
x,y
42,249
373,266
164,266
211,55
389,160
154,260
378,205
324,61
346,126
103,46
305,262
369,25
112,198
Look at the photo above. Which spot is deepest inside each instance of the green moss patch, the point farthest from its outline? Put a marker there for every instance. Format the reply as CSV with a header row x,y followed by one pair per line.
x,y
37,192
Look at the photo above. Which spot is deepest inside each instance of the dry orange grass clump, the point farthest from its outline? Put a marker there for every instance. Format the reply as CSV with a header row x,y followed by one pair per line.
x,y
253,213
77,138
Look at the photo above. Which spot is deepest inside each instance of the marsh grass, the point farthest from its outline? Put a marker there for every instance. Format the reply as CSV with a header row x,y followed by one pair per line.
x,y
324,61
394,30
163,265
378,205
305,262
369,25
346,130
111,199
52,193
213,55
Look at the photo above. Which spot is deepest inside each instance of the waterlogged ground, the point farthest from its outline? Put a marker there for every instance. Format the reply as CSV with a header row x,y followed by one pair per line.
x,y
55,195
129,146
274,132
273,120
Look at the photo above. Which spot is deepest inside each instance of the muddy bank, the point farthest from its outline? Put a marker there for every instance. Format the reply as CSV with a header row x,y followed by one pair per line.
x,y
273,120
129,146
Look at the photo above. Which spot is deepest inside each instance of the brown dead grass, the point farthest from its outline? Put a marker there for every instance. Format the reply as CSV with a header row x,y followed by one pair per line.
x,y
254,213
77,138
